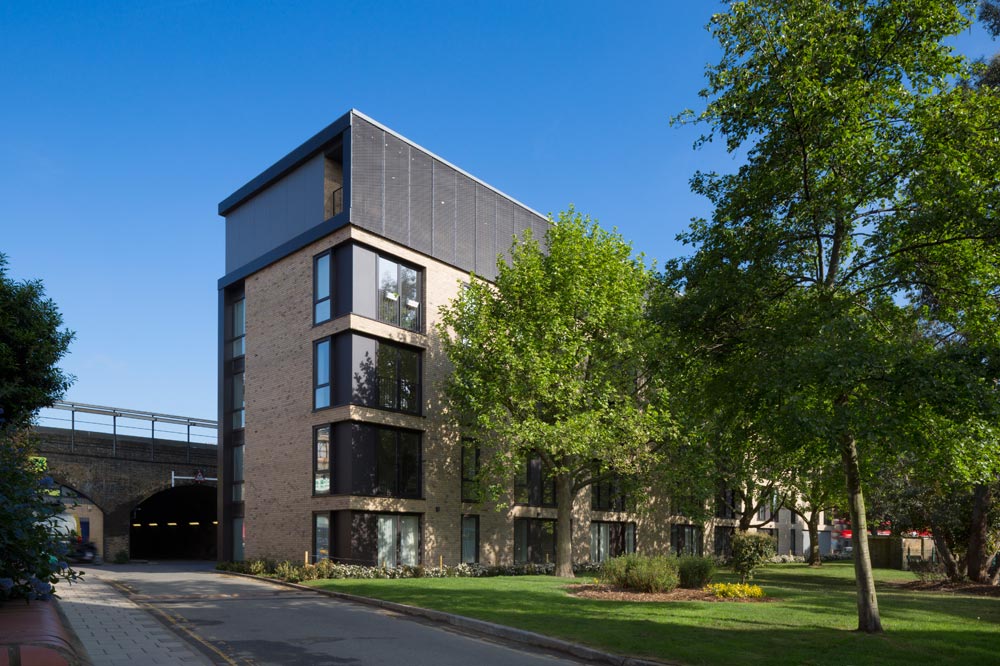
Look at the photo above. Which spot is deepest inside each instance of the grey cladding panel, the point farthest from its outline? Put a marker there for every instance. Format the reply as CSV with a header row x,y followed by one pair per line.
x,y
397,190
421,202
367,164
505,227
539,226
444,212
465,223
522,221
364,378
363,281
486,232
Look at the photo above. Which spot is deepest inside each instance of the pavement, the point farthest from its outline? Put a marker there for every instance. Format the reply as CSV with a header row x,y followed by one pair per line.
x,y
116,631
187,613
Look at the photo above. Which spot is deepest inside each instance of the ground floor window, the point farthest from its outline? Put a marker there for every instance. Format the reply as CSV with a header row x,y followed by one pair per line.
x,y
321,537
724,541
239,540
398,540
611,539
470,539
534,541
685,539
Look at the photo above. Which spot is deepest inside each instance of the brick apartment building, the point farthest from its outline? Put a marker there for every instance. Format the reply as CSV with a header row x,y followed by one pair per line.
x,y
334,439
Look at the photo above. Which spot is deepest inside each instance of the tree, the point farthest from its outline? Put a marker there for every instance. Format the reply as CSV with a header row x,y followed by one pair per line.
x,y
554,361
30,346
870,180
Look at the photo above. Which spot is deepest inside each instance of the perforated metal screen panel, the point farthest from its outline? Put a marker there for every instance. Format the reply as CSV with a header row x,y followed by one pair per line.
x,y
400,192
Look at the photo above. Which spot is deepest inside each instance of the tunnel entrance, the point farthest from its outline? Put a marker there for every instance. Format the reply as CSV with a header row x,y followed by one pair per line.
x,y
177,523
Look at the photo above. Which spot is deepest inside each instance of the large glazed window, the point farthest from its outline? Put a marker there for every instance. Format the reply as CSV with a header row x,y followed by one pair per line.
x,y
398,378
238,474
323,369
321,457
323,287
321,532
470,539
237,405
611,539
397,463
238,328
398,540
534,541
686,539
398,294
535,486
471,491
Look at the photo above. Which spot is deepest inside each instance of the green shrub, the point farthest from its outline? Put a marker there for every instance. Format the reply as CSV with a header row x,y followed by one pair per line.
x,y
735,591
927,571
641,573
695,572
121,557
750,552
288,571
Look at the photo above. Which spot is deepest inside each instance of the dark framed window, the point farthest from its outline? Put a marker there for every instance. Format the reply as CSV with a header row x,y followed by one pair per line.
x,y
399,292
398,378
397,463
237,328
323,287
724,541
471,489
535,486
237,402
686,539
470,539
322,536
238,478
322,372
321,461
611,494
534,541
726,503
610,539
398,539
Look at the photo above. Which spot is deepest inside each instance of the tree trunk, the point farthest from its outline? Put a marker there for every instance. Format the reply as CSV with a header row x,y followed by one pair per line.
x,y
814,558
979,557
952,568
869,620
564,525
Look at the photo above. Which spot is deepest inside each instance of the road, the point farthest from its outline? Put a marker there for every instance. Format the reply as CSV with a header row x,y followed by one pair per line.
x,y
235,620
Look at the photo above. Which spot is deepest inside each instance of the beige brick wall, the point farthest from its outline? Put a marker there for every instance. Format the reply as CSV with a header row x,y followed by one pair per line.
x,y
279,422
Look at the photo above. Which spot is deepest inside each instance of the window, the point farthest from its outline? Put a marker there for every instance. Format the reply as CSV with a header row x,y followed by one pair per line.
x,y
534,541
322,287
535,486
724,541
470,539
685,539
321,537
323,369
398,370
237,404
321,460
238,480
791,542
471,490
398,540
609,539
726,503
239,540
237,324
397,463
611,494
398,294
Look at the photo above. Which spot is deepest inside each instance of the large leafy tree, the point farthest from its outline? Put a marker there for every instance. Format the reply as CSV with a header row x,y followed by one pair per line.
x,y
31,343
555,361
867,198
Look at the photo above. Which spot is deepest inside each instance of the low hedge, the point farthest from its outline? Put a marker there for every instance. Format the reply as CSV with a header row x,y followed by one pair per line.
x,y
695,572
641,573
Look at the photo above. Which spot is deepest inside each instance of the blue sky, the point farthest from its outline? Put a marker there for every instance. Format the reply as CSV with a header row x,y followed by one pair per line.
x,y
124,124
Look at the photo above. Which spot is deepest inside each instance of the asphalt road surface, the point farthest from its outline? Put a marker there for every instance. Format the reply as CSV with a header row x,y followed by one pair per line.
x,y
235,620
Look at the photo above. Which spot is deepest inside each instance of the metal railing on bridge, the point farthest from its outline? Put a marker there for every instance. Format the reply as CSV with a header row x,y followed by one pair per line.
x,y
196,431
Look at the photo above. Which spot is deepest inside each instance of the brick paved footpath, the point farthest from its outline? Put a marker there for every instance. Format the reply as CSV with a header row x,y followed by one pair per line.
x,y
116,631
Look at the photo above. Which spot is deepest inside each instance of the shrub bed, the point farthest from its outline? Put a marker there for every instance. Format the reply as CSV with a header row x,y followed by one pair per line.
x,y
695,572
641,573
324,569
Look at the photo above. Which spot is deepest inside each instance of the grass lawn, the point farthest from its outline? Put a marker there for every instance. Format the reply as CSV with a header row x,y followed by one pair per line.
x,y
810,623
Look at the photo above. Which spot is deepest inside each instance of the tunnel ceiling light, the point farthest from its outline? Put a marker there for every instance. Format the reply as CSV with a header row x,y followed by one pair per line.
x,y
154,525
215,522
195,523
136,524
171,524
